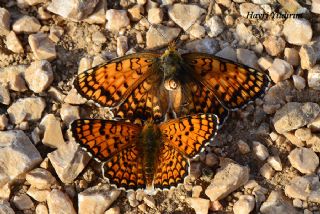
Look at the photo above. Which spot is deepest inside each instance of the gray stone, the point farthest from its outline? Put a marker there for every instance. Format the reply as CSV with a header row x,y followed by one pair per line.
x,y
23,202
297,31
299,82
122,45
42,47
69,113
39,75
117,19
197,31
154,39
304,159
59,203
291,55
98,16
228,53
6,209
280,70
207,45
247,57
26,24
215,25
277,204
244,34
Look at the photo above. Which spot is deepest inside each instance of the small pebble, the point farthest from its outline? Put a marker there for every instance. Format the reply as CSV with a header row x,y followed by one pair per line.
x,y
13,43
260,150
275,162
267,171
155,15
117,19
42,47
244,205
308,56
304,159
39,75
314,77
280,70
274,45
291,55
297,31
122,45
299,82
23,202
303,134
244,148
264,63
26,24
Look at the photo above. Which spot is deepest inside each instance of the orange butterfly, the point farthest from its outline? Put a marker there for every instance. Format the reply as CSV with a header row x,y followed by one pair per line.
x,y
149,85
149,156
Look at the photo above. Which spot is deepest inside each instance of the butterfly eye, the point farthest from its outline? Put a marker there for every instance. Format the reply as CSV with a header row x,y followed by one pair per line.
x,y
170,84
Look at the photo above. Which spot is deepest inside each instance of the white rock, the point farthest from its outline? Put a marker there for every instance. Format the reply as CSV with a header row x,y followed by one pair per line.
x,y
75,10
200,205
39,75
23,202
69,113
13,43
4,95
280,70
185,15
291,55
154,39
3,122
59,202
275,163
308,56
215,25
84,64
40,178
260,150
314,77
267,171
41,209
68,161
117,19
12,76
277,203
247,57
26,109
96,199
315,6
122,45
249,8
304,159
52,131
4,21
26,24
264,63
228,178
42,47
17,155
244,205
73,97
297,31
155,15
244,34
197,31
274,45
299,82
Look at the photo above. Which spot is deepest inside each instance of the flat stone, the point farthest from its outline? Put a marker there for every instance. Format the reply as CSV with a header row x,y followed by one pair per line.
x,y
314,77
247,57
207,45
215,25
26,109
75,10
17,155
68,161
274,45
295,115
13,43
53,136
40,178
305,188
185,15
39,195
277,204
308,56
3,122
4,95
228,53
117,19
228,178
42,47
280,70
275,163
69,113
297,31
23,202
154,39
244,205
4,21
122,45
299,82
291,55
96,199
304,159
39,75
249,8
200,205
155,15
26,24
59,202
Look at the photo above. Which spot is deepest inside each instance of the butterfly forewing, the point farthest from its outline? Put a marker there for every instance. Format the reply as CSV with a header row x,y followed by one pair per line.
x,y
233,84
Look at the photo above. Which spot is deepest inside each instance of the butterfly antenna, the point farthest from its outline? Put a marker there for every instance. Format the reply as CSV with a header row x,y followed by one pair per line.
x,y
152,25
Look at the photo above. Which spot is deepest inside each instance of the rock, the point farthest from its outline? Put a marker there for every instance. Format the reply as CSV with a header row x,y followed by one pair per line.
x,y
303,134
244,205
41,209
117,19
4,95
39,195
6,209
98,16
247,57
155,15
308,56
297,31
275,163
122,45
260,150
23,202
40,178
185,15
39,75
56,32
314,77
228,53
13,43
42,47
299,82
68,161
135,13
113,210
244,34
207,45
196,191
277,204
215,25
248,9
4,21
211,159
244,148
314,142
267,171
52,132
98,37
59,202
12,76
73,97
3,122
295,115
26,109
154,39
132,199
274,45
305,188
200,205
315,6
228,178
75,10
293,139
280,70
315,124
84,64
264,63
197,31
69,113
96,199
17,155
291,55
304,159
26,24
149,200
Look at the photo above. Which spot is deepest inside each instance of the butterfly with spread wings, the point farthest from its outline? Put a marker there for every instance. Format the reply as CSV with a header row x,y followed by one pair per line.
x,y
149,85
145,157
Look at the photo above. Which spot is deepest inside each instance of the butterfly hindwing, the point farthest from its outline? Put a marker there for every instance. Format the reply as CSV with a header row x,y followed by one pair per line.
x,y
233,84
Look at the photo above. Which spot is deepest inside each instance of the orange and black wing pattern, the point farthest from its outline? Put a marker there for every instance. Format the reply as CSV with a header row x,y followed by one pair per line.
x,y
233,84
190,134
111,83
104,138
172,168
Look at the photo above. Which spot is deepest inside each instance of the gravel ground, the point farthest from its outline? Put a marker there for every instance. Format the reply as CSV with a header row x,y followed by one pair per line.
x,y
265,159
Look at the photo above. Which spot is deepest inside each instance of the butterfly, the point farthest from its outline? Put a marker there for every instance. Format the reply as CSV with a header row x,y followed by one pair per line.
x,y
149,85
145,157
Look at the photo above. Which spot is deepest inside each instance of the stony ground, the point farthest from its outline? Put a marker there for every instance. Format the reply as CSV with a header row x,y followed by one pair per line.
x,y
265,159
